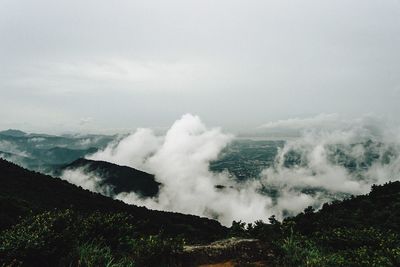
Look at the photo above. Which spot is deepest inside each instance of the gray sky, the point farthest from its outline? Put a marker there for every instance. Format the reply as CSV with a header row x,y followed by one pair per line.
x,y
116,65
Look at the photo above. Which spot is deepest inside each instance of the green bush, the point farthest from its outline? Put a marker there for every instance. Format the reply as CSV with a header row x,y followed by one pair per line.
x,y
66,238
113,230
93,255
340,247
42,239
155,250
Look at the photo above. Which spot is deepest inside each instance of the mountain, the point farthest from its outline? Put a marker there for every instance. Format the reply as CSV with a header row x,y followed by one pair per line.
x,y
46,153
12,132
60,155
121,178
23,192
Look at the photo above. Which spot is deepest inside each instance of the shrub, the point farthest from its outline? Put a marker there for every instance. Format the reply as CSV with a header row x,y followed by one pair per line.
x,y
42,239
66,238
93,255
155,250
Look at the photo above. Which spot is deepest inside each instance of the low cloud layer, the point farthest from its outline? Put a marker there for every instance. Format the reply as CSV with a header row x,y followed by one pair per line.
x,y
300,127
323,164
180,161
87,180
332,163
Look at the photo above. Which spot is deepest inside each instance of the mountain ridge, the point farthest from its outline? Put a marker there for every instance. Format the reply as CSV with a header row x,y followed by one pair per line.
x,y
121,178
23,192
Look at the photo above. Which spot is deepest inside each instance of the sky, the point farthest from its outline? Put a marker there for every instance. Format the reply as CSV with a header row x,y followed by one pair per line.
x,y
113,66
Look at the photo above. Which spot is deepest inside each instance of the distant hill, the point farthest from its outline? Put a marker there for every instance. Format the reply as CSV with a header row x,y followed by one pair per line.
x,y
46,153
61,155
121,178
23,192
6,155
12,132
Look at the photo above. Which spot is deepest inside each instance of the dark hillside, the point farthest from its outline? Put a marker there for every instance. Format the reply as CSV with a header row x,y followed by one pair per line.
x,y
379,209
358,231
121,178
23,192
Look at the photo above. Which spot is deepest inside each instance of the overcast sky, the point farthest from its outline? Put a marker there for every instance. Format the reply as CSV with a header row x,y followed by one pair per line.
x,y
117,65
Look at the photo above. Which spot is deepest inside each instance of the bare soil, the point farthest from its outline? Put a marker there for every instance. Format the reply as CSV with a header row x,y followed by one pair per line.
x,y
228,252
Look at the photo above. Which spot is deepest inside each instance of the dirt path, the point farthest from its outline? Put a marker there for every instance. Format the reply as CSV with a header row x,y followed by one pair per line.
x,y
227,253
234,264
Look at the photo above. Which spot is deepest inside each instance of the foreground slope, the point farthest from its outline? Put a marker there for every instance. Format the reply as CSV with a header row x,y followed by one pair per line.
x,y
23,192
358,231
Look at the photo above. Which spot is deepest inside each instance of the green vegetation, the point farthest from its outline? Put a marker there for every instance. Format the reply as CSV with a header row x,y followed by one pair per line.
x,y
45,221
67,238
359,231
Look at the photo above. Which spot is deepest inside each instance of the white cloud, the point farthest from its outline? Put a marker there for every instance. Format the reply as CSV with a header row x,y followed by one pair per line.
x,y
133,150
180,161
320,157
319,121
87,180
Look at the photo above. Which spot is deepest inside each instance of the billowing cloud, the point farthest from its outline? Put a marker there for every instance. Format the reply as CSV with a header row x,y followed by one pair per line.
x,y
333,163
321,165
180,161
132,150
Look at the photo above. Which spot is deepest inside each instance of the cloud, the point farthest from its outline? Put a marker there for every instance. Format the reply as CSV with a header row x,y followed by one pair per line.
x,y
332,163
87,180
180,161
113,74
321,165
297,127
215,59
133,150
319,121
11,147
131,71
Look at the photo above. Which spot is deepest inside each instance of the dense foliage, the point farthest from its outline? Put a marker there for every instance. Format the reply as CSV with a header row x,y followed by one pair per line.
x,y
45,221
24,192
359,231
67,238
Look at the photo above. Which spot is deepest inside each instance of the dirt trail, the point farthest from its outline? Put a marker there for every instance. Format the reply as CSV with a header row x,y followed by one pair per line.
x,y
235,264
227,253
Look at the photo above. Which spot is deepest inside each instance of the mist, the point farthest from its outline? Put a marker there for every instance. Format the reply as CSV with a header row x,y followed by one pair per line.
x,y
180,161
319,166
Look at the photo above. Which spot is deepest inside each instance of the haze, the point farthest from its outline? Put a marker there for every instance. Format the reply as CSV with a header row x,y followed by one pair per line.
x,y
112,66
